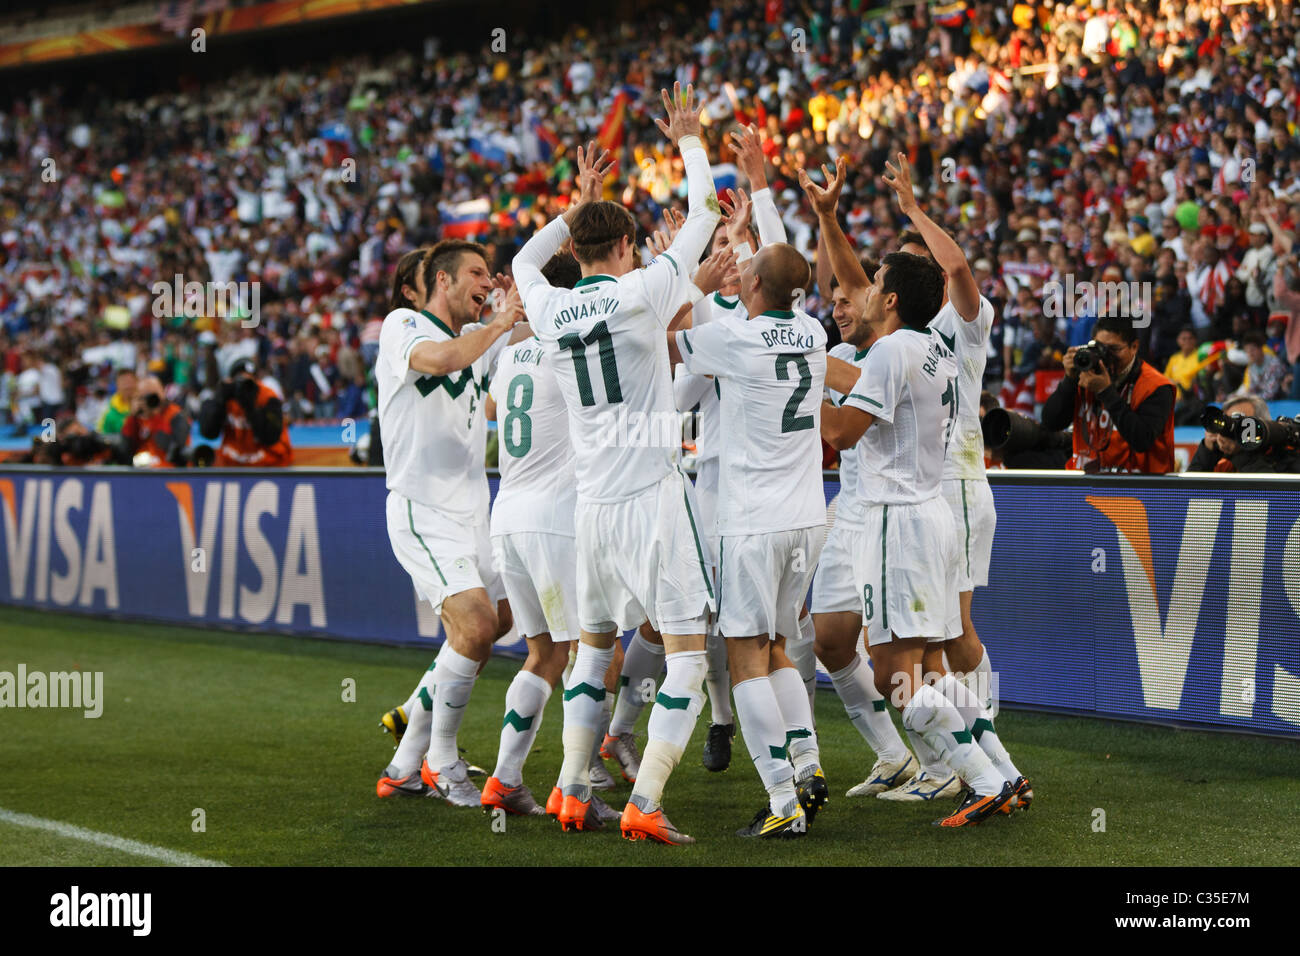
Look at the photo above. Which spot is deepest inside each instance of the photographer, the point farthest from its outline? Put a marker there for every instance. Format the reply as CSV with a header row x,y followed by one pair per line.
x,y
1222,452
249,419
156,432
1122,408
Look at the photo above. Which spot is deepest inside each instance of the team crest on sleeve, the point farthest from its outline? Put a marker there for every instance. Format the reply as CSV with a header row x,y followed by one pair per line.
x,y
408,321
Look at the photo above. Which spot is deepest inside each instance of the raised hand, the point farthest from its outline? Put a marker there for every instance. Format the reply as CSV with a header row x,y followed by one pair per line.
x,y
683,113
749,156
824,199
592,170
661,239
716,271
742,211
899,179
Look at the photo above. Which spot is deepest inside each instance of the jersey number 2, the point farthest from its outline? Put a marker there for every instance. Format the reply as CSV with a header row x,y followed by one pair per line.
x,y
608,366
791,420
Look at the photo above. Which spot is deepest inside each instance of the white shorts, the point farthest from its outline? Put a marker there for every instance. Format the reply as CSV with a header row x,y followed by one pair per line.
x,y
971,503
643,559
540,572
833,588
763,580
905,572
442,556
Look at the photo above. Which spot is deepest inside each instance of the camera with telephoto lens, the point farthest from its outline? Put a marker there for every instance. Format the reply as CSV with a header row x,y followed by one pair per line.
x,y
1011,433
1252,433
1091,357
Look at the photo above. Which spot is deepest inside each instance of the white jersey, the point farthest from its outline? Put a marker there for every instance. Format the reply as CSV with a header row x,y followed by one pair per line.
x,y
772,369
709,439
537,490
969,341
607,339
435,435
848,503
909,383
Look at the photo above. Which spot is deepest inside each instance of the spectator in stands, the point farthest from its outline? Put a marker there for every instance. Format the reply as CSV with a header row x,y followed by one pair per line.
x,y
1265,372
249,419
157,431
1122,411
120,404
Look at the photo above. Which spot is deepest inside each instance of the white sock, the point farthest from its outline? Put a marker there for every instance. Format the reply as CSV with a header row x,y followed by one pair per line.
x,y
868,711
415,741
980,683
936,719
803,656
584,705
764,732
526,700
800,738
453,683
718,681
672,720
977,718
643,661
932,764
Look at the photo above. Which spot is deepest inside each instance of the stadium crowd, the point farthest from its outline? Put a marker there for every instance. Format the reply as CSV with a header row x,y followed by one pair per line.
x,y
1145,143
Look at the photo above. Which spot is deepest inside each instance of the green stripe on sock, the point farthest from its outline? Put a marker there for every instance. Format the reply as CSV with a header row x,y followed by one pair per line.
x,y
778,753
595,693
424,698
799,734
672,703
981,725
878,705
961,736
519,723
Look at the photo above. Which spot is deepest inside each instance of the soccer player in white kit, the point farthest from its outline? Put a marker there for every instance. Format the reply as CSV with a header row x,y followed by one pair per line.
x,y
836,602
964,323
772,513
432,373
639,550
902,407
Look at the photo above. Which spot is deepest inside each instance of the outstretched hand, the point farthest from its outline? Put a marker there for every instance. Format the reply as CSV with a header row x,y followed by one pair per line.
x,y
899,179
824,199
683,113
749,156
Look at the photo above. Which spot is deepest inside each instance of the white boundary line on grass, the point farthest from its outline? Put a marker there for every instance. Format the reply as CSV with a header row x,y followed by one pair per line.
x,y
159,853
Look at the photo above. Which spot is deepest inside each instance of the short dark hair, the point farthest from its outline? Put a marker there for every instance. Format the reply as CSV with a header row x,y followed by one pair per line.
x,y
445,257
910,237
1253,337
597,227
1117,325
404,274
918,282
562,270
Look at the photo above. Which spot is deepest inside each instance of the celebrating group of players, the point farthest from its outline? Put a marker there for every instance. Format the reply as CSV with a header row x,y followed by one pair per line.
x,y
596,530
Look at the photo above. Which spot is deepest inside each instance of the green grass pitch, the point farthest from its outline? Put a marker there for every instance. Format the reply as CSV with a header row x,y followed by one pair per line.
x,y
254,730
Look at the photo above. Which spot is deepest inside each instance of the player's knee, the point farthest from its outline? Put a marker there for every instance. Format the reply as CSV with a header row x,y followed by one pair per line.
x,y
504,620
479,629
834,655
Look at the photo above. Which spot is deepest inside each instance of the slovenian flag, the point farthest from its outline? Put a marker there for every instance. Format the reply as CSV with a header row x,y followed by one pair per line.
x,y
544,139
724,178
487,149
464,220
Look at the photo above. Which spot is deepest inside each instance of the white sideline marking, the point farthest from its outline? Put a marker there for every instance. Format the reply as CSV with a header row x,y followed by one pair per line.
x,y
162,854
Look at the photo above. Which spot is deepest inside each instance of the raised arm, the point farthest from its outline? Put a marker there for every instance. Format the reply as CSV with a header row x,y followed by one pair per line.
x,y
702,209
843,258
963,292
750,160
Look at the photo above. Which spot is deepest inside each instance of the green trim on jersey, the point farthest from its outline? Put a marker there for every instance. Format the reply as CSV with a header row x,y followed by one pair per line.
x,y
687,343
780,314
864,398
884,566
965,516
416,341
438,322
860,354
950,341
720,301
588,280
699,551
428,383
411,520
722,547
